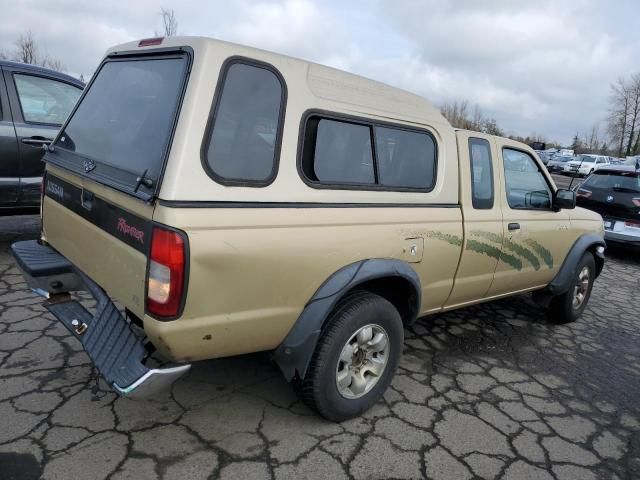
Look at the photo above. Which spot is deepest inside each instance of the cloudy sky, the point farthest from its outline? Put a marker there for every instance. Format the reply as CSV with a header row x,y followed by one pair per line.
x,y
536,66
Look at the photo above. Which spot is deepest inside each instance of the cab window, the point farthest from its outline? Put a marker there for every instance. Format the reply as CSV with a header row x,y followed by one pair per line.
x,y
481,174
245,135
525,184
44,100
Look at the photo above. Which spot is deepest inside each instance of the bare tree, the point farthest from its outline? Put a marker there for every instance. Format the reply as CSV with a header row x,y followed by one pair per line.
x,y
619,113
624,115
54,64
491,127
459,116
591,140
26,49
478,119
634,114
169,22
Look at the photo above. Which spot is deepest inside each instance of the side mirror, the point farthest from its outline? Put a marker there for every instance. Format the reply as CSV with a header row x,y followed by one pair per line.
x,y
564,198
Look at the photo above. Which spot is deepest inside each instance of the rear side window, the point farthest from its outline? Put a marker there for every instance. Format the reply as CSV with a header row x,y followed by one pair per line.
x,y
405,158
481,173
246,128
345,153
44,100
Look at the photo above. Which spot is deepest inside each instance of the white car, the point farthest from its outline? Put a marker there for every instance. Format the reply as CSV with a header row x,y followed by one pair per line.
x,y
586,164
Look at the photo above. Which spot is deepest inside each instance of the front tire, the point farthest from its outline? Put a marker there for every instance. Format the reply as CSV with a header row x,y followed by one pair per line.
x,y
569,306
355,359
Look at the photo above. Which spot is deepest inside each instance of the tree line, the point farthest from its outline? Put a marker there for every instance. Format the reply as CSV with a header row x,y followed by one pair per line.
x,y
620,137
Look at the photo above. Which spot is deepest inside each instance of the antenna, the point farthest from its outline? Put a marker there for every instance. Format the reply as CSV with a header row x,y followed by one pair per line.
x,y
572,176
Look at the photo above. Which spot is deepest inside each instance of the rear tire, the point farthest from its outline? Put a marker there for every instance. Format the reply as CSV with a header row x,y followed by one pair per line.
x,y
569,306
355,359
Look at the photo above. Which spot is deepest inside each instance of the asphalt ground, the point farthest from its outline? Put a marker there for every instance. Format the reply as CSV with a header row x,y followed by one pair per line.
x,y
491,391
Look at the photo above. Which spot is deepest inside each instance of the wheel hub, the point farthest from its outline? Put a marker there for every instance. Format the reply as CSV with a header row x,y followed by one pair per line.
x,y
581,288
362,361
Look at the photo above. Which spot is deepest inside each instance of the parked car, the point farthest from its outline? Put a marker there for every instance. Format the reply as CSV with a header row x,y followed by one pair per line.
x,y
34,102
585,164
292,208
558,162
614,192
543,155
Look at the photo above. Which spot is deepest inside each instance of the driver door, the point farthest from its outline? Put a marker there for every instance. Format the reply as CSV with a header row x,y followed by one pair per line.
x,y
537,237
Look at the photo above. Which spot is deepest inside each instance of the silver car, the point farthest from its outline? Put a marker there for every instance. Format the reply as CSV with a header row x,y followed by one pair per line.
x,y
558,162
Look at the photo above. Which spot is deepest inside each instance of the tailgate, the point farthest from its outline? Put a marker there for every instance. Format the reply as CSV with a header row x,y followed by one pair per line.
x,y
103,232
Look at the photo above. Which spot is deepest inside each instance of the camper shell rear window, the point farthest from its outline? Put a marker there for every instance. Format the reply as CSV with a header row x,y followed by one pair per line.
x,y
120,132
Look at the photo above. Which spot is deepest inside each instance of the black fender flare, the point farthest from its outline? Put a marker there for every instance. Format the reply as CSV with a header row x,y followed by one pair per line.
x,y
294,353
587,242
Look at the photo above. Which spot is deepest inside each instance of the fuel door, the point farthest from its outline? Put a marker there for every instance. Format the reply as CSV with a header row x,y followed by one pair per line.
x,y
413,249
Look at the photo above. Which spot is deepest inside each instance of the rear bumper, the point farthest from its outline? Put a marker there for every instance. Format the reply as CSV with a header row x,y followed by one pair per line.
x,y
622,238
107,337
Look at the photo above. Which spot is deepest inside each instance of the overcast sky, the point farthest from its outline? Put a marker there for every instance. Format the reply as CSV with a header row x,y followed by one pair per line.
x,y
536,66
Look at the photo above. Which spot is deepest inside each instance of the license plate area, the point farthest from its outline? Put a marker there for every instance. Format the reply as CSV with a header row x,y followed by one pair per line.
x,y
608,224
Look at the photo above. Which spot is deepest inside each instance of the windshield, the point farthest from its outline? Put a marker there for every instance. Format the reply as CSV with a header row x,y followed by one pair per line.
x,y
627,182
124,123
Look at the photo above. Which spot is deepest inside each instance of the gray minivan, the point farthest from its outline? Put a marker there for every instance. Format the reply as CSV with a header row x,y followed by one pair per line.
x,y
34,102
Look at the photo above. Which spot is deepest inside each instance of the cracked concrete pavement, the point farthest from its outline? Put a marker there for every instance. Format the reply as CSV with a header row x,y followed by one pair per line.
x,y
492,391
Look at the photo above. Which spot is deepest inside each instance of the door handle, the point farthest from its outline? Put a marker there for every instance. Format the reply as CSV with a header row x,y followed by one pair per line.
x,y
514,226
36,141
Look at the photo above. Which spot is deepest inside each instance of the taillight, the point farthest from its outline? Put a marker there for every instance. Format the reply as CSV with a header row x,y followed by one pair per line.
x,y
582,192
166,278
636,201
632,224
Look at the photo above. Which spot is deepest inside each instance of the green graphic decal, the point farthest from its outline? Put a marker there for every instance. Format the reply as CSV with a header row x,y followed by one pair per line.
x,y
445,237
512,246
542,252
494,252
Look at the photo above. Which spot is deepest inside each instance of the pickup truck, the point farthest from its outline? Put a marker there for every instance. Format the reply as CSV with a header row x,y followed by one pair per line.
x,y
232,200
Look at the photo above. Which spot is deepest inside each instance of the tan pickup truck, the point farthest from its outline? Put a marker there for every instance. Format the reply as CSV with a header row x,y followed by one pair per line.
x,y
232,200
